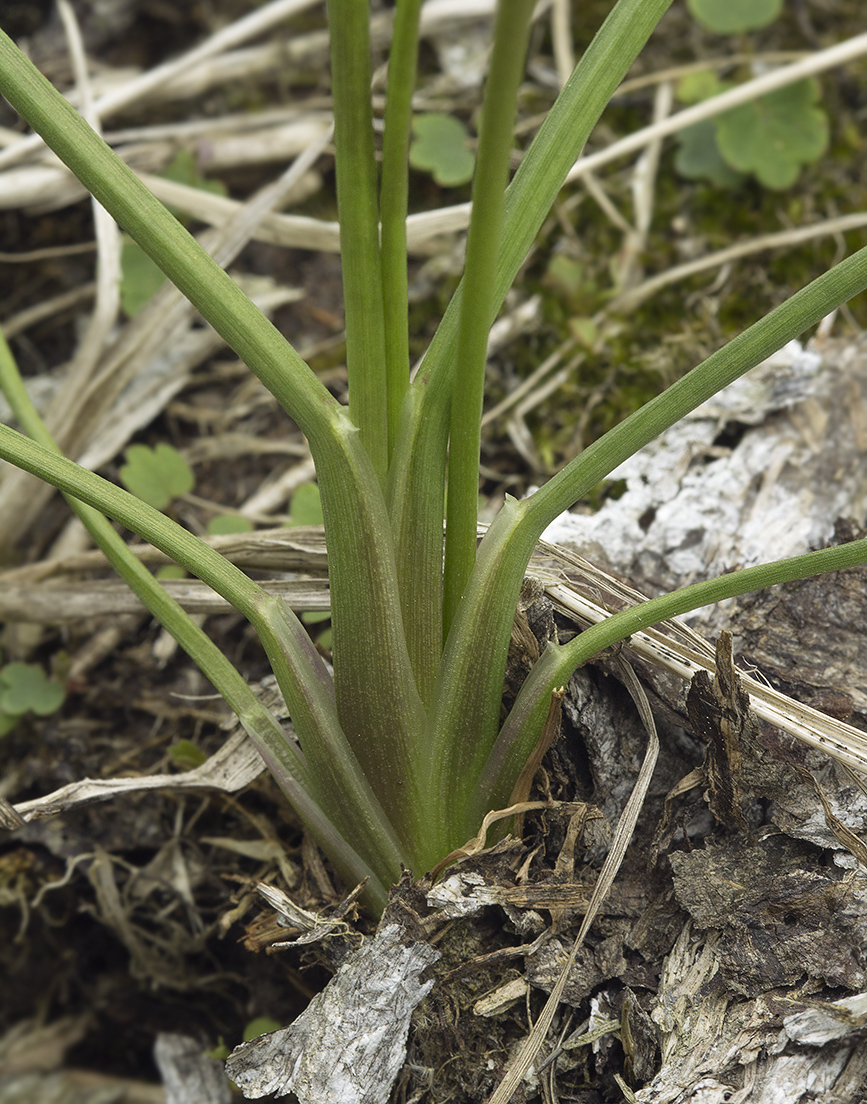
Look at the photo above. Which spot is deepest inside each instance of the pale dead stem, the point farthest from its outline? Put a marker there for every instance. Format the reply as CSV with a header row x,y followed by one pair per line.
x,y
674,647
230,769
782,239
310,233
101,369
820,62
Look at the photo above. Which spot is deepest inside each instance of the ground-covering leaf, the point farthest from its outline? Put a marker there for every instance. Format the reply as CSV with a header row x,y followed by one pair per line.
x,y
229,523
771,137
700,85
316,617
775,135
156,475
584,330
25,688
186,755
171,571
572,284
565,274
141,278
306,507
734,16
256,1027
441,148
260,1026
698,156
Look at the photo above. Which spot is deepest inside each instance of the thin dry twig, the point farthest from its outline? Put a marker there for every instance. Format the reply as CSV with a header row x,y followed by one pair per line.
x,y
250,26
230,769
783,239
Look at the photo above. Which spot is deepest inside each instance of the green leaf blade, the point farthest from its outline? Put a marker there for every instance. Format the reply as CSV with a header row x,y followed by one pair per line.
x,y
224,524
156,475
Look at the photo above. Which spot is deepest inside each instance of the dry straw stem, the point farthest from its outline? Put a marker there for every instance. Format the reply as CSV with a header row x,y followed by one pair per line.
x,y
250,26
424,228
103,318
452,219
230,769
783,239
47,308
48,183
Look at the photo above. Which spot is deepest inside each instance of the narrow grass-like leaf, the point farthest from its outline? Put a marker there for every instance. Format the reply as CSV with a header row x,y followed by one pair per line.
x,y
473,664
441,147
299,673
358,211
211,290
477,303
369,644
393,206
25,686
789,320
417,473
156,475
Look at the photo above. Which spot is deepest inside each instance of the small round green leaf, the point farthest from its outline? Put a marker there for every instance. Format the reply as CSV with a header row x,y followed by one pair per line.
x,y
260,1026
156,475
584,330
186,755
735,16
141,278
565,275
701,85
184,169
221,1052
314,617
306,507
440,148
171,571
229,523
25,686
8,721
698,156
775,135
